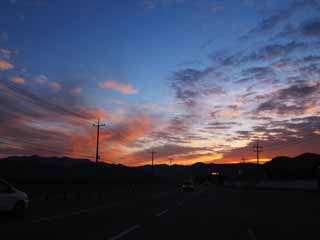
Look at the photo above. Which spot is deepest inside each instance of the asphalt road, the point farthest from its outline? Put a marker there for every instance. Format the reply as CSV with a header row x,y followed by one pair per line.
x,y
207,213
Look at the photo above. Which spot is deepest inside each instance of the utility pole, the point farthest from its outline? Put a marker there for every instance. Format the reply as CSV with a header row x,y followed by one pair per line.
x,y
243,160
257,149
98,134
152,160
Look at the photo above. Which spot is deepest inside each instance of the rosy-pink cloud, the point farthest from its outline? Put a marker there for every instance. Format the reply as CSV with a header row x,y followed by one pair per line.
x,y
117,86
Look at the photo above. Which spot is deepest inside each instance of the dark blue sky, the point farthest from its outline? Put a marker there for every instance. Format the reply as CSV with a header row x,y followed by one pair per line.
x,y
199,80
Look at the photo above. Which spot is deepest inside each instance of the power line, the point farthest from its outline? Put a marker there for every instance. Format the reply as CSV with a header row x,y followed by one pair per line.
x,y
27,96
48,151
42,148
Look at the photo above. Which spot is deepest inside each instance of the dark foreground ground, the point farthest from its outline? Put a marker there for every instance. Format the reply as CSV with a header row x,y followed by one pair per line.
x,y
207,213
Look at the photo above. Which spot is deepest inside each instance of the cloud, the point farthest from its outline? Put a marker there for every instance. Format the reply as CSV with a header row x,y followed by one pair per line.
x,y
130,129
49,124
295,99
190,85
272,51
55,86
266,53
264,74
18,80
270,23
310,71
311,28
5,53
117,86
287,137
77,91
222,125
5,65
189,76
307,29
278,79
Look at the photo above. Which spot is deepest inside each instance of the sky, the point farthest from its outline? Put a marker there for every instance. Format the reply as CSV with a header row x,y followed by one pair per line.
x,y
195,81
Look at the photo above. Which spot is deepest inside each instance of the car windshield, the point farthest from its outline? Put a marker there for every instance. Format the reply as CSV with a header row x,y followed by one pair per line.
x,y
159,119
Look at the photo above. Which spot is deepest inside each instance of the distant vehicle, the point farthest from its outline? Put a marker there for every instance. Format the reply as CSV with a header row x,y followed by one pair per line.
x,y
188,186
12,199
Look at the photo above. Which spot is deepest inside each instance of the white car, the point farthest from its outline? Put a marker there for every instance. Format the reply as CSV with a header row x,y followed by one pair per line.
x,y
12,199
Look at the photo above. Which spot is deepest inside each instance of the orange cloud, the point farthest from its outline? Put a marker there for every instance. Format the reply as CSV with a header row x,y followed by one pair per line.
x,y
4,65
130,130
18,80
113,140
117,86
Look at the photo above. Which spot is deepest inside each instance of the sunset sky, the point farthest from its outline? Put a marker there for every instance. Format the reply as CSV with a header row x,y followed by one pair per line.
x,y
194,80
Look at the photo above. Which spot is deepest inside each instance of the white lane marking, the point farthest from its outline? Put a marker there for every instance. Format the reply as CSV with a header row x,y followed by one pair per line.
x,y
57,217
252,235
161,213
125,232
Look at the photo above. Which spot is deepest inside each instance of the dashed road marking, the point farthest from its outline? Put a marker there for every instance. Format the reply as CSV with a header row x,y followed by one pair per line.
x,y
125,232
161,213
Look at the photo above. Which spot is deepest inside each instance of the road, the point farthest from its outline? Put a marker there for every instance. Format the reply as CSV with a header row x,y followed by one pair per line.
x,y
207,213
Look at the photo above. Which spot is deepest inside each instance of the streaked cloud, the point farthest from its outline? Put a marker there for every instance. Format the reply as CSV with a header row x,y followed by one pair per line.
x,y
296,99
270,23
311,28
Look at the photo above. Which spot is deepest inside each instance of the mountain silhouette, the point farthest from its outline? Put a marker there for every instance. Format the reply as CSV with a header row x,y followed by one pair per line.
x,y
302,166
64,169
